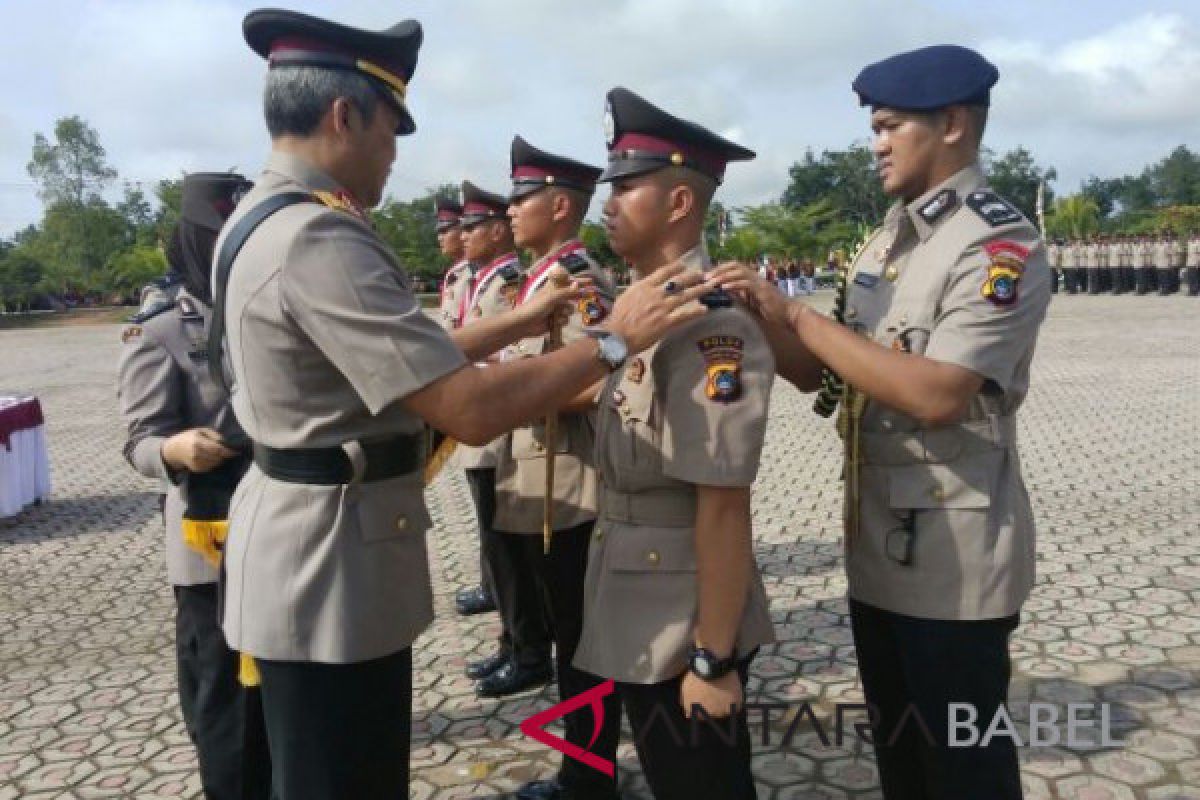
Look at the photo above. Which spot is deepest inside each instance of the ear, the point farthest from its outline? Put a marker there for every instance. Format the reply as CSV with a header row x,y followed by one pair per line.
x,y
681,200
954,125
341,111
560,208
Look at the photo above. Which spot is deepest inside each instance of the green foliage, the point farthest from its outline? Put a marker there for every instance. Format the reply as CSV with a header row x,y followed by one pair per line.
x,y
134,267
1015,176
846,179
807,232
169,192
409,228
72,170
593,236
20,277
1073,217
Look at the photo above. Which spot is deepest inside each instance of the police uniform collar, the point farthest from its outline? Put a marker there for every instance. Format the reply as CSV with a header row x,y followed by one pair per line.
x,y
302,172
939,203
697,258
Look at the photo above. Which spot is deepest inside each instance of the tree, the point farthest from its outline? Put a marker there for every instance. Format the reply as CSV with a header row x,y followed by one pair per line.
x,y
1073,217
72,171
138,215
1175,180
595,239
20,276
798,232
846,179
169,192
409,229
135,267
1015,176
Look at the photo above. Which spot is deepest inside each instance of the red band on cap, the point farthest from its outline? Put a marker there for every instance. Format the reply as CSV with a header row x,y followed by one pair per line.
x,y
287,44
708,160
475,207
447,216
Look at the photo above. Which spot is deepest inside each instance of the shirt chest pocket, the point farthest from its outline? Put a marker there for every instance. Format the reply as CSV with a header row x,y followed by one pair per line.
x,y
965,483
391,510
530,442
908,332
638,448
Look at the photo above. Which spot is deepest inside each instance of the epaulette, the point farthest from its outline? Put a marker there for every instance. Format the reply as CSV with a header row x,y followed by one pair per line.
x,y
510,273
994,210
574,263
341,200
717,298
151,312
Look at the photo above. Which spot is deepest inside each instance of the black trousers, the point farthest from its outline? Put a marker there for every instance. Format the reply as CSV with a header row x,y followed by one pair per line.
x,y
223,719
685,759
1141,279
908,663
1167,281
1192,278
1055,276
482,484
520,598
557,580
339,731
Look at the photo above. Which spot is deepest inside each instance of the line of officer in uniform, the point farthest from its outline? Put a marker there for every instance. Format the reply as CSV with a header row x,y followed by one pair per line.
x,y
943,309
450,242
549,199
1124,263
522,659
674,606
335,372
183,433
1191,268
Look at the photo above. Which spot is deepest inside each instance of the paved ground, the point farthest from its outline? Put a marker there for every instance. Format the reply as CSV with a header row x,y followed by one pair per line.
x,y
1112,456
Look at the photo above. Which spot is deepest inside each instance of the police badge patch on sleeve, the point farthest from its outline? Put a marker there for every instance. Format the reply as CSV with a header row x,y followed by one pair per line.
x,y
723,367
992,208
1004,272
591,306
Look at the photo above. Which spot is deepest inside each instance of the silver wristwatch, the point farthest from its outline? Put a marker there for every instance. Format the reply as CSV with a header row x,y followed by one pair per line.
x,y
612,349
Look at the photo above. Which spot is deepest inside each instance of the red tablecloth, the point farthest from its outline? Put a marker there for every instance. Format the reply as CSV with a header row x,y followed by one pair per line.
x,y
24,462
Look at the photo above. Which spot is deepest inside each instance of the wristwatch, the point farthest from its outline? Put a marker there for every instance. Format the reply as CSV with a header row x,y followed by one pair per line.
x,y
706,665
612,349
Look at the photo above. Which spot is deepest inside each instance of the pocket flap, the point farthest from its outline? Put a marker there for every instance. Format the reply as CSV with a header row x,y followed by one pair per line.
x,y
530,442
965,483
653,550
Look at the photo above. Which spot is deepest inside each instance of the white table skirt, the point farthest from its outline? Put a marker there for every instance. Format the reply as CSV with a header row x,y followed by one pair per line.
x,y
24,464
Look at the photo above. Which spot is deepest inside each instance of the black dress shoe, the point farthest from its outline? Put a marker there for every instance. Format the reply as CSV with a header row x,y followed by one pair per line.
x,y
512,678
477,670
475,600
543,790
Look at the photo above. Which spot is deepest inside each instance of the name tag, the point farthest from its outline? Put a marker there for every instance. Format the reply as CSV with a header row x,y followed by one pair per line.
x,y
867,280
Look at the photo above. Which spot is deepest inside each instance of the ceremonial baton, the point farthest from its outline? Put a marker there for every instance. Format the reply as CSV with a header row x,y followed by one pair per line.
x,y
559,279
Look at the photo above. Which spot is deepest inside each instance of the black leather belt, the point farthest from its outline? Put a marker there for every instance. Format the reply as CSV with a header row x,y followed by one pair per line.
x,y
325,466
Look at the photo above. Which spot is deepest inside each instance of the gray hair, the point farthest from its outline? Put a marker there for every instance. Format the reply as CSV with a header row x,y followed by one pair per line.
x,y
296,98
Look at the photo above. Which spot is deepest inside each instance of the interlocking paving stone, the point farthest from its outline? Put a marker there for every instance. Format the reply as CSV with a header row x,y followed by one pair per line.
x,y
1110,442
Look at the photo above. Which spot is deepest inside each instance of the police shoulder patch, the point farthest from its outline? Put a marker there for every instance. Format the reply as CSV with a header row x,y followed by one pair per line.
x,y
1007,265
130,333
992,208
152,312
574,263
592,307
723,367
510,273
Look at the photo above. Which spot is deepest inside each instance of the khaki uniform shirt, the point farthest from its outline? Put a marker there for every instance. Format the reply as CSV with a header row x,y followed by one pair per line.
x,y
690,411
521,468
1144,255
164,388
324,337
959,276
1116,254
1091,255
493,298
1054,255
1162,253
1193,252
1070,255
454,286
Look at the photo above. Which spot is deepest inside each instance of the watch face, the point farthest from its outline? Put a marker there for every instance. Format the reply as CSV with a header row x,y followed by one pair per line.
x,y
701,665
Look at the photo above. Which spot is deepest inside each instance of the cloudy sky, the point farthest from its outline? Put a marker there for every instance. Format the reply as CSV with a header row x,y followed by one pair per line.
x,y
1096,87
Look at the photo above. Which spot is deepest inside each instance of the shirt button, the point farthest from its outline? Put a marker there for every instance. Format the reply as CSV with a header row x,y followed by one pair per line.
x,y
599,535
903,321
652,558
891,273
851,312
538,446
401,522
937,493
886,424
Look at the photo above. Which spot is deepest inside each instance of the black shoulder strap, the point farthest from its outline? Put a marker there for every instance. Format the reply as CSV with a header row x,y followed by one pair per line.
x,y
229,250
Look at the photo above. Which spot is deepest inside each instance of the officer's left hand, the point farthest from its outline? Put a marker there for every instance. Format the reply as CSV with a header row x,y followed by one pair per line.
x,y
715,697
759,294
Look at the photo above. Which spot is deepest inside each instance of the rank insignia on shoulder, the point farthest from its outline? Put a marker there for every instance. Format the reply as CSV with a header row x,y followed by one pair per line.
x,y
717,298
574,263
451,278
591,306
510,274
867,280
341,200
1004,272
723,367
131,332
188,310
942,202
992,208
509,292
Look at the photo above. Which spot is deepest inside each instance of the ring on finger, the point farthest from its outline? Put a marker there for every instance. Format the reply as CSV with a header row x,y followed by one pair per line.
x,y
670,287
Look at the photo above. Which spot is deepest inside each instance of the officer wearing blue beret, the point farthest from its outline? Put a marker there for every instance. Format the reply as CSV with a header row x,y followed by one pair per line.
x,y
942,312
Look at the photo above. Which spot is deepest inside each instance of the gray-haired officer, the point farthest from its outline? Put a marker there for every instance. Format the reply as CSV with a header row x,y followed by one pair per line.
x,y
550,197
336,370
183,433
944,307
674,606
454,282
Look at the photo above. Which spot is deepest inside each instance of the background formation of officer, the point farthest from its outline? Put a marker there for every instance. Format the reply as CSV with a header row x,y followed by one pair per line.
x,y
614,529
1161,263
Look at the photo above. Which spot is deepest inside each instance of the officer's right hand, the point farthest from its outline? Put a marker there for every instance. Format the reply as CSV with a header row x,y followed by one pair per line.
x,y
196,450
759,294
551,305
654,305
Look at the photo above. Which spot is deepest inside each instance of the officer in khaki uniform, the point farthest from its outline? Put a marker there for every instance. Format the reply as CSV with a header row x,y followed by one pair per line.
x,y
1070,266
1054,258
549,199
335,371
674,606
454,282
943,309
183,433
1143,264
523,655
1192,265
1118,263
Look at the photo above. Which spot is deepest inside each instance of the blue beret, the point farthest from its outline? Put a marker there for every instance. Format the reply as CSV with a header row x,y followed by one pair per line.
x,y
927,79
